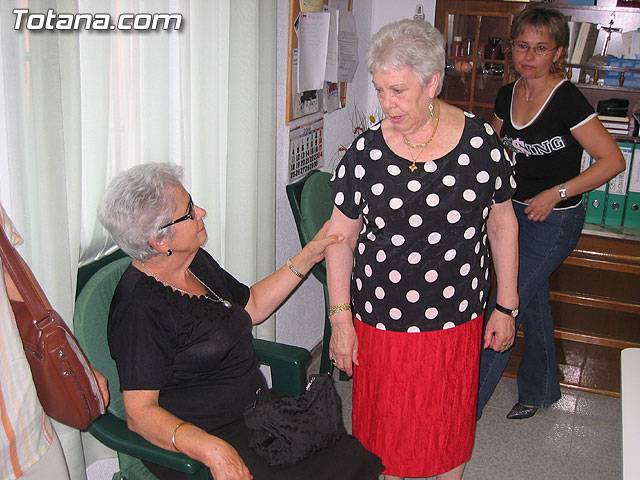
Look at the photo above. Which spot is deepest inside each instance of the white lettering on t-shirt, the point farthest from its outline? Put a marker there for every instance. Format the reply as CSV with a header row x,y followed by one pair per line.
x,y
541,148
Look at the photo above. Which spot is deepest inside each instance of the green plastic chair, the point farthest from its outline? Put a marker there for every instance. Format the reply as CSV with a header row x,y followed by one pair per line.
x,y
311,201
288,371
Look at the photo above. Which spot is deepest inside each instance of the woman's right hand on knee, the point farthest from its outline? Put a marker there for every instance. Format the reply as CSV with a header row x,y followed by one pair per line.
x,y
224,461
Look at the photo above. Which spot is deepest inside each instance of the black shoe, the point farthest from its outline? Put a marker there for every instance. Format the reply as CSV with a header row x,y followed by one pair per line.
x,y
519,411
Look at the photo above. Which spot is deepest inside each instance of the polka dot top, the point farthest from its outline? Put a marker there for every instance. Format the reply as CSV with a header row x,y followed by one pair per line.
x,y
421,262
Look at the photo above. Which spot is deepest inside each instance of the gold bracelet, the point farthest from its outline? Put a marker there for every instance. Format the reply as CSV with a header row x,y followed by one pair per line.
x,y
293,269
173,435
339,308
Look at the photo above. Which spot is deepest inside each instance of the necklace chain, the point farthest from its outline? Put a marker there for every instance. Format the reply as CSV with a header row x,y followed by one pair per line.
x,y
412,146
216,298
532,97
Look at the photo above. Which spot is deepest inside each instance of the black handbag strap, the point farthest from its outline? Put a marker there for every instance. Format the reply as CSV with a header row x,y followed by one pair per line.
x,y
13,263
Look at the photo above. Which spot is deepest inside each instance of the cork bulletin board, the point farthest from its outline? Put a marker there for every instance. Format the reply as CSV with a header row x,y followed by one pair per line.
x,y
294,11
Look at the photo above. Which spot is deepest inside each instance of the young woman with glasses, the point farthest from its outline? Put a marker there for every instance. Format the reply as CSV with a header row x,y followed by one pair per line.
x,y
545,122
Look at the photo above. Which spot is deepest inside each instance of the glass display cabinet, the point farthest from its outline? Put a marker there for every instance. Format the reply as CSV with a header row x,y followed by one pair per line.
x,y
476,67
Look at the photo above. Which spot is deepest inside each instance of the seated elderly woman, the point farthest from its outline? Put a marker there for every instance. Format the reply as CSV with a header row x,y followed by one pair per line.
x,y
180,333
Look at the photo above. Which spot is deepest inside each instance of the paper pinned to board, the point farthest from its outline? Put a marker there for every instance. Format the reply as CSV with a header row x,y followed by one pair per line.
x,y
313,40
347,47
331,69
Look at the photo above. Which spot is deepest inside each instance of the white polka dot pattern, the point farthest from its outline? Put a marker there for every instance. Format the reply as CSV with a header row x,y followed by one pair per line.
x,y
414,186
375,154
395,203
413,296
414,258
434,237
421,262
415,221
393,170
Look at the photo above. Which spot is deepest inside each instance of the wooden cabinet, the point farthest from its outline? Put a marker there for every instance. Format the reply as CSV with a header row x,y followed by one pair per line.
x,y
472,80
595,294
473,77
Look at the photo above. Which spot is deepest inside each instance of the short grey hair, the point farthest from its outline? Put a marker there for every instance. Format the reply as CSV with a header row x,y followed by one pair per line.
x,y
415,44
137,203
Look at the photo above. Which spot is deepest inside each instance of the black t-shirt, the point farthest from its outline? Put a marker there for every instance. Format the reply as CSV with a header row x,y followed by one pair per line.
x,y
546,154
197,353
422,257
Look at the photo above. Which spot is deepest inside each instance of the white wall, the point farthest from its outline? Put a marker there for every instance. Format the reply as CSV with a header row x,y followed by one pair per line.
x,y
301,320
386,11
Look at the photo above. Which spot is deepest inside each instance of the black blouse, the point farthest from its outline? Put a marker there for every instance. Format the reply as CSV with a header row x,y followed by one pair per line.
x,y
196,352
422,257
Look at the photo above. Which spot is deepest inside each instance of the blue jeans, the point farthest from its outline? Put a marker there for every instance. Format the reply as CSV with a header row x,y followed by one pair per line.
x,y
543,248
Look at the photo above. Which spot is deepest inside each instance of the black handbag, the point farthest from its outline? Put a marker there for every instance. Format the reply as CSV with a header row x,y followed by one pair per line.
x,y
291,428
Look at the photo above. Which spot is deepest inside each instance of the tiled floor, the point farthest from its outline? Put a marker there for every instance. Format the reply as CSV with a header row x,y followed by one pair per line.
x,y
580,437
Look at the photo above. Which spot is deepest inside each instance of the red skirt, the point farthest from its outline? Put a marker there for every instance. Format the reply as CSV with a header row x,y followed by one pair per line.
x,y
415,396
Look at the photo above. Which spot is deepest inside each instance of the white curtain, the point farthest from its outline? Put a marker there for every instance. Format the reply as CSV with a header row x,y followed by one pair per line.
x,y
78,107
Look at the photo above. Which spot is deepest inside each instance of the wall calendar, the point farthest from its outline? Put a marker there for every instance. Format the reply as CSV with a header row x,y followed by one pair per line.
x,y
305,148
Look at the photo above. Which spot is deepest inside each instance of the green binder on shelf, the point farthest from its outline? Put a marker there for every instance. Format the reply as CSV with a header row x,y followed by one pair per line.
x,y
632,207
594,203
585,162
617,189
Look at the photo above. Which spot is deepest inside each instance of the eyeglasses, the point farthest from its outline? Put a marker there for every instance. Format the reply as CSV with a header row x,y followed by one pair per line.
x,y
188,216
539,50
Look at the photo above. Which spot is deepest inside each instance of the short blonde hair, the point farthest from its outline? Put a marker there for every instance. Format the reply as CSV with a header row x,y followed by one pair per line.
x,y
554,22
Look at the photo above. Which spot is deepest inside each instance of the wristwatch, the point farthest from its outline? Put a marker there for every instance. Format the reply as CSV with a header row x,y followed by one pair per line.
x,y
507,311
562,191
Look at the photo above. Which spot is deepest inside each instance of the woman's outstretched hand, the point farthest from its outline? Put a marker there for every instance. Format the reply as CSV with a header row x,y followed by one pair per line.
x,y
316,247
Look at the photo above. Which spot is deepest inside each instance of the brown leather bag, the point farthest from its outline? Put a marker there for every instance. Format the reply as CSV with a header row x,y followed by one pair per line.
x,y
66,386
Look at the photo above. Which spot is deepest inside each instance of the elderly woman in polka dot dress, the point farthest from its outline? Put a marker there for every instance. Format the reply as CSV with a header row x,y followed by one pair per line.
x,y
421,198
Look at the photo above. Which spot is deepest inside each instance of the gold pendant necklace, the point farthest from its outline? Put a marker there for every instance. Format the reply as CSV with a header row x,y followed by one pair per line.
x,y
412,146
413,167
